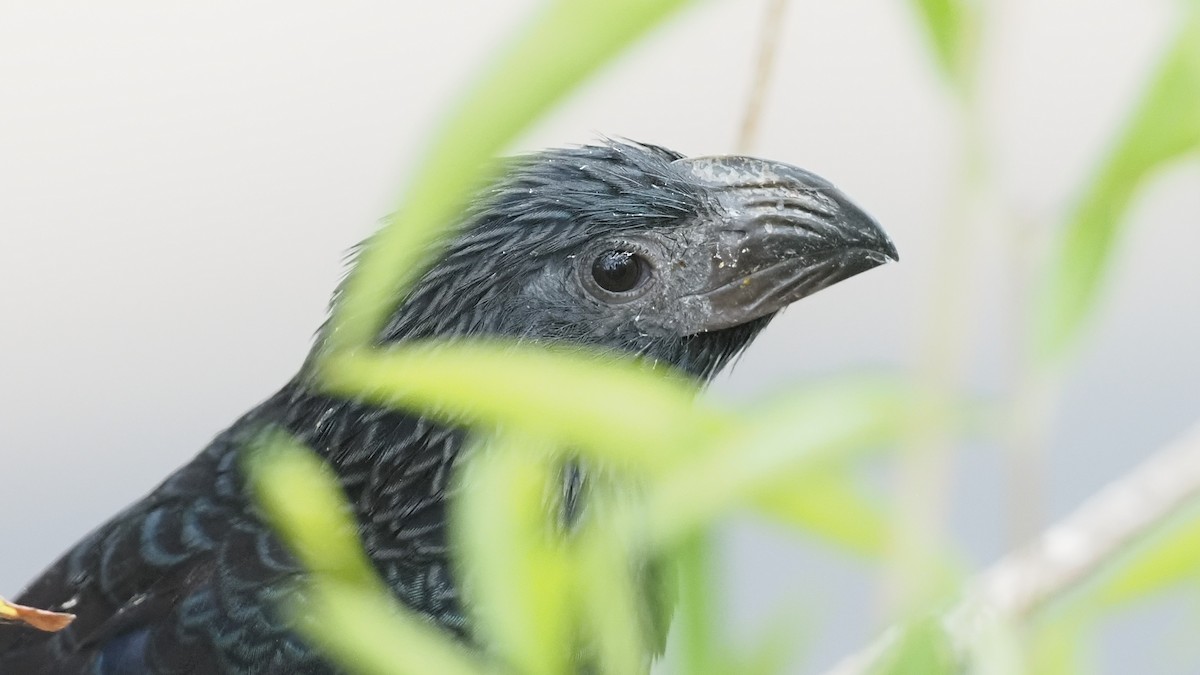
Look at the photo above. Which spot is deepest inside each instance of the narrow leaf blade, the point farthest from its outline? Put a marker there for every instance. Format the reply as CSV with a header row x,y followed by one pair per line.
x,y
342,605
1164,126
1165,561
828,505
574,397
951,28
305,504
368,633
518,590
793,436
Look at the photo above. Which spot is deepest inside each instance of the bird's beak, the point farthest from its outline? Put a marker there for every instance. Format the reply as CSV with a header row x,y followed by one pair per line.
x,y
781,233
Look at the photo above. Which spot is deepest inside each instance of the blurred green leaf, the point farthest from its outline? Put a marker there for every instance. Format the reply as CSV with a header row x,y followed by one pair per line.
x,y
700,648
560,48
342,606
305,504
515,565
827,503
923,649
1060,646
574,397
1166,560
368,633
1164,126
778,643
951,26
998,649
823,498
605,589
534,585
792,435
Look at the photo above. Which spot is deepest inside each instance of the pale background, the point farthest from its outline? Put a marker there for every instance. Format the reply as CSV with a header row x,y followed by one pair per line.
x,y
178,185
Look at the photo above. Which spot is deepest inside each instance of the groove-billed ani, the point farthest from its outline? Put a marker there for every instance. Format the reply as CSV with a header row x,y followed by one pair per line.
x,y
620,246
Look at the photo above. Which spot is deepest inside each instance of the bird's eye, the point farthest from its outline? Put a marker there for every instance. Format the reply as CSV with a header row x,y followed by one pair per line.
x,y
619,271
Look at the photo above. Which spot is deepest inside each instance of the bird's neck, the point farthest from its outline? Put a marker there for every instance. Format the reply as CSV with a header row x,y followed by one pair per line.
x,y
391,464
395,469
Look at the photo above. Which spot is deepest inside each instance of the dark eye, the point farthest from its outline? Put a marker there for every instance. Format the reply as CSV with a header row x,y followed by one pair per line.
x,y
618,271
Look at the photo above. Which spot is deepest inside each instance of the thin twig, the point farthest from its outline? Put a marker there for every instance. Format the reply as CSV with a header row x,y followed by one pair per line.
x,y
1066,555
768,45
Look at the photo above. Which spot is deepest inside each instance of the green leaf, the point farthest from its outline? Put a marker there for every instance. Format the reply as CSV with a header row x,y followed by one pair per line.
x,y
606,590
828,504
997,649
1164,561
699,642
304,503
1164,126
1167,559
1061,646
368,633
951,26
779,642
342,606
791,436
515,564
923,649
573,397
533,586
564,44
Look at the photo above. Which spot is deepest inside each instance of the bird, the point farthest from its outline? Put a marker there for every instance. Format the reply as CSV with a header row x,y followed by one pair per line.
x,y
615,245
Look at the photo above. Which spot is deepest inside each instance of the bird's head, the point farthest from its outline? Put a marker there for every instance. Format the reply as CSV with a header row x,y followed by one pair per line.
x,y
638,249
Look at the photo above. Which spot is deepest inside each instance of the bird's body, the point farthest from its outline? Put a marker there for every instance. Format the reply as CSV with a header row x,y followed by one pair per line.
x,y
623,247
187,580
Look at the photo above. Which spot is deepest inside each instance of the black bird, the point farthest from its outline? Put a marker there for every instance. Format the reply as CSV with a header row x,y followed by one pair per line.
x,y
620,246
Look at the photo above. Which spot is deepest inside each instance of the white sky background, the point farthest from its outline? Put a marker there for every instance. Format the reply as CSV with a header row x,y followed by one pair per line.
x,y
178,186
